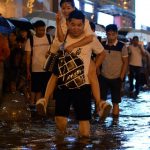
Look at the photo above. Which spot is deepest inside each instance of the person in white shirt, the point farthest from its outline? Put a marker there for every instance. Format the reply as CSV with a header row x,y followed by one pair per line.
x,y
79,98
136,52
35,72
68,6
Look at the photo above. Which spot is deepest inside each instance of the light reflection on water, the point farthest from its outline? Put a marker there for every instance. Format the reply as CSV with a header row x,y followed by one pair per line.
x,y
130,131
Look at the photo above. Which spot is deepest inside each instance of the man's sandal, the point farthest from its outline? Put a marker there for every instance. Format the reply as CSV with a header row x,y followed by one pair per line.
x,y
105,109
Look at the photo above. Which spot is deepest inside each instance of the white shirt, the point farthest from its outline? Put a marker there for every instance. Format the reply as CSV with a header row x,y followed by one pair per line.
x,y
135,57
85,52
40,47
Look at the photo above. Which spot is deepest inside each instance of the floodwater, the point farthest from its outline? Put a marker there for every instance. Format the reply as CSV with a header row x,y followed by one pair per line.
x,y
131,131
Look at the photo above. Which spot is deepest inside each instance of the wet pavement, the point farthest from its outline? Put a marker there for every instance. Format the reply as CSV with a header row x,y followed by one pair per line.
x,y
131,131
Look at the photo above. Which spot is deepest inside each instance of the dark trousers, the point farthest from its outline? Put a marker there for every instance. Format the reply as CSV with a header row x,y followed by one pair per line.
x,y
134,73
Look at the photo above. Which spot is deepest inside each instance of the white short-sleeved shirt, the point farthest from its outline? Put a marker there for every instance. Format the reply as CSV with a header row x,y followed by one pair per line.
x,y
85,52
135,57
40,47
57,43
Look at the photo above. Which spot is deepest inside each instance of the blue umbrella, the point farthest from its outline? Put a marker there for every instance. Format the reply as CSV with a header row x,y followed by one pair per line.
x,y
5,26
21,23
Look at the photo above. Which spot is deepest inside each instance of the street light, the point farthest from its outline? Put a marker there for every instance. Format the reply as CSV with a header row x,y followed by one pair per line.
x,y
30,5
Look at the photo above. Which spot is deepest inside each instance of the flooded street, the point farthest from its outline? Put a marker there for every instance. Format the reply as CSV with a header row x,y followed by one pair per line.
x,y
131,131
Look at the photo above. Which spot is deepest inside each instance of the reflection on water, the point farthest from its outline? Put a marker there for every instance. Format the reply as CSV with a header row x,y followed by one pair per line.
x,y
14,108
130,131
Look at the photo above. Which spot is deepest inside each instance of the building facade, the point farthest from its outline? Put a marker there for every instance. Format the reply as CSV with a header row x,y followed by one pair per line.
x,y
120,12
21,8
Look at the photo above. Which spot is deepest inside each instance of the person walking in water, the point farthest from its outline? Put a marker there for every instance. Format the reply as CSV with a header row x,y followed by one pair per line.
x,y
136,52
68,6
113,68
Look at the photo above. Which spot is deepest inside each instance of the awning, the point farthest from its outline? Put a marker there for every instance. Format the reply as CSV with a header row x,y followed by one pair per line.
x,y
115,11
143,35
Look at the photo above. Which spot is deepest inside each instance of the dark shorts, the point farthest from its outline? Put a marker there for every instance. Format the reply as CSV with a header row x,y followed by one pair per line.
x,y
112,85
80,99
39,81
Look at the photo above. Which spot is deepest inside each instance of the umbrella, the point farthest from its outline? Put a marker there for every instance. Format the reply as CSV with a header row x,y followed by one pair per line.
x,y
48,17
21,23
42,14
5,26
125,30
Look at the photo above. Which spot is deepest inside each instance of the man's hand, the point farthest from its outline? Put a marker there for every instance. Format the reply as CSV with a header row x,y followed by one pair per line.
x,y
140,46
69,48
142,49
98,106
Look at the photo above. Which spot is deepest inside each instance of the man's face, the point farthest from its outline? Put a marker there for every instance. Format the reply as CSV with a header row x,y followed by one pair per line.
x,y
112,35
40,31
135,42
66,9
75,27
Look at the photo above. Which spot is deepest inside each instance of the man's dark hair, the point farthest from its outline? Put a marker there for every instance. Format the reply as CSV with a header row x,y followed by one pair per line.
x,y
39,23
50,27
77,14
67,1
112,27
135,38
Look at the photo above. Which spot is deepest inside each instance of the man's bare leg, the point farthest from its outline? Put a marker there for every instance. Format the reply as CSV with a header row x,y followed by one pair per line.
x,y
101,106
61,123
115,111
84,128
94,82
